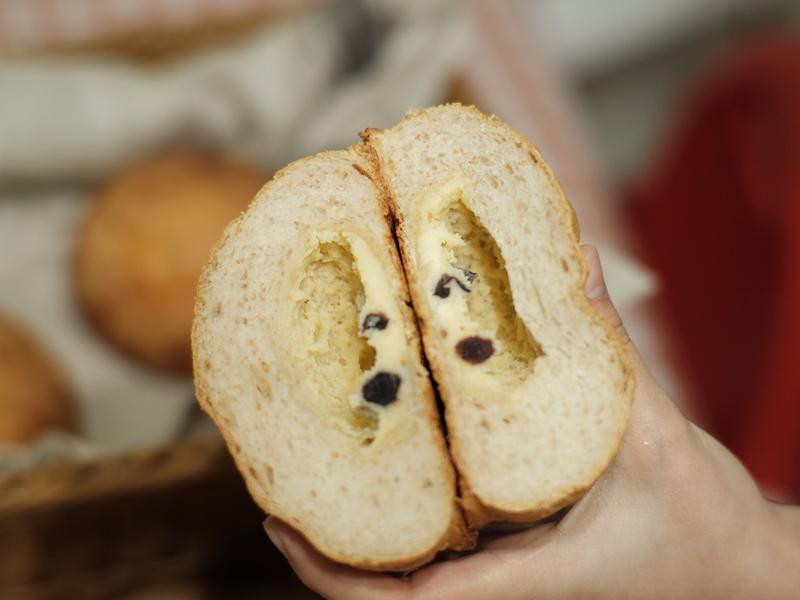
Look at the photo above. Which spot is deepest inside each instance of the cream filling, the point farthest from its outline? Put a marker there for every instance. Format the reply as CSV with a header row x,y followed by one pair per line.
x,y
378,422
467,290
389,343
436,258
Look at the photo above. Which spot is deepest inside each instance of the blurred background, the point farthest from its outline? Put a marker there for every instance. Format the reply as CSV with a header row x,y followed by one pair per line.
x,y
131,132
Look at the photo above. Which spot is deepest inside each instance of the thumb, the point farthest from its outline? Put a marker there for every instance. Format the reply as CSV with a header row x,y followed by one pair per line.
x,y
653,414
597,294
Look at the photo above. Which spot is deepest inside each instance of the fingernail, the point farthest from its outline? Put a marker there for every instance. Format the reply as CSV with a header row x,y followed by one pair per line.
x,y
597,289
595,284
275,535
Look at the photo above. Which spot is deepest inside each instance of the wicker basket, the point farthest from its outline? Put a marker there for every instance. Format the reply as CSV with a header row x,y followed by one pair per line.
x,y
110,527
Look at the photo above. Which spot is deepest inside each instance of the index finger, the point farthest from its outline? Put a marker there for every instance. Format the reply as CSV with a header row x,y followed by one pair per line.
x,y
507,573
332,580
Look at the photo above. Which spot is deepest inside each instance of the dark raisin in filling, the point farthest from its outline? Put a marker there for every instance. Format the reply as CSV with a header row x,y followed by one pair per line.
x,y
375,321
443,286
475,349
382,388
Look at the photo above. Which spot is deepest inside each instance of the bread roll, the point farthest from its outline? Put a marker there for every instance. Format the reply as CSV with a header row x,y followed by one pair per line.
x,y
307,358
536,386
33,394
144,244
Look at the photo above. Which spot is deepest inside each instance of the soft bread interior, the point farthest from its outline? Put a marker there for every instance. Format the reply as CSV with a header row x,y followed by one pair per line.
x,y
327,306
307,358
536,387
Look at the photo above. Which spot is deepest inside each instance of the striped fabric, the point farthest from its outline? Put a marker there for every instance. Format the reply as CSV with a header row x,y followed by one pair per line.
x,y
505,71
35,24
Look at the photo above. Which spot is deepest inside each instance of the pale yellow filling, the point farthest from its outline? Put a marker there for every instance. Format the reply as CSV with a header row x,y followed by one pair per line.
x,y
451,241
338,284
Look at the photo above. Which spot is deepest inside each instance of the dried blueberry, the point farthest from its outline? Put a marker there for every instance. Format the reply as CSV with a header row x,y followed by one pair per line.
x,y
375,321
475,349
443,286
382,388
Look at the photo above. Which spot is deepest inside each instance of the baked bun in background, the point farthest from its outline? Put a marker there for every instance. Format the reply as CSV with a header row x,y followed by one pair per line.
x,y
34,397
144,244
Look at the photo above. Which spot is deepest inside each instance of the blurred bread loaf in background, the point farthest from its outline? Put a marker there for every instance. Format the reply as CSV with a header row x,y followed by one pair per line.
x,y
34,396
144,242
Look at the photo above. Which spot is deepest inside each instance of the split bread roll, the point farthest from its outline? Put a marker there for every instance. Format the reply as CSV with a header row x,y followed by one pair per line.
x,y
536,386
307,356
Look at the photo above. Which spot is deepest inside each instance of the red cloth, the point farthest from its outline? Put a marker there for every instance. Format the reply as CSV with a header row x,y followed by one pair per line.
x,y
719,219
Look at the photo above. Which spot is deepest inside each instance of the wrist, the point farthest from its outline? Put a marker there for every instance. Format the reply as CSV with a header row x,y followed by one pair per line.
x,y
788,522
785,535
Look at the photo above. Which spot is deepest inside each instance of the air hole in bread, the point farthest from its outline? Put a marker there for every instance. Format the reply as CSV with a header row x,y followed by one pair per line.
x,y
490,303
337,355
470,280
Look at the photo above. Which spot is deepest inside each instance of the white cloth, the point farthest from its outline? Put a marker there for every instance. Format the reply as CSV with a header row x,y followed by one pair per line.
x,y
274,97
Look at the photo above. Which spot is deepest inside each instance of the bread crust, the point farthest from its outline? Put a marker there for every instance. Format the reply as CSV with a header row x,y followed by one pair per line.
x,y
479,514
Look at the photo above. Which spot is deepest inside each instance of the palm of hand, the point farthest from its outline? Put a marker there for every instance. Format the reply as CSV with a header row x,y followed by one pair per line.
x,y
674,516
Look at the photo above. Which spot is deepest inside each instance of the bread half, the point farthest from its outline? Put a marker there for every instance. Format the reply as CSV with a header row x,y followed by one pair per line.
x,y
536,386
306,355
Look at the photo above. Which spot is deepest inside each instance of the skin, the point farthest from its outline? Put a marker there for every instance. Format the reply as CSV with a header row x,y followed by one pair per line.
x,y
675,516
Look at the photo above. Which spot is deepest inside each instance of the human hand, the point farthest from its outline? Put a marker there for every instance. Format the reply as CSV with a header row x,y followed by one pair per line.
x,y
674,516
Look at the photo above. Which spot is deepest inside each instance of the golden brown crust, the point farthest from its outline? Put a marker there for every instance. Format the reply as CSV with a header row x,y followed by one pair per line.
x,y
34,396
142,247
477,513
